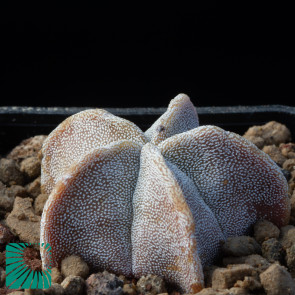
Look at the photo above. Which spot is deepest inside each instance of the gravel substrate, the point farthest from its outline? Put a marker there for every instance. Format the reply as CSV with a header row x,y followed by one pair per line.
x,y
263,263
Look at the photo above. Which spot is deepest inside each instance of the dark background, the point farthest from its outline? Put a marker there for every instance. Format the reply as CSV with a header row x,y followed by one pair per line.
x,y
143,56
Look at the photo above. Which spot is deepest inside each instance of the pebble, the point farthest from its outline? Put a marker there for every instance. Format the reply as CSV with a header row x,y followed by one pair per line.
x,y
16,190
287,236
27,148
291,181
289,165
56,276
129,289
6,203
39,203
211,291
276,280
75,266
31,167
275,153
8,194
257,261
104,283
124,279
264,230
241,246
23,222
292,203
224,278
272,250
5,236
249,283
34,188
10,172
54,289
233,260
290,259
151,284
288,150
268,134
73,285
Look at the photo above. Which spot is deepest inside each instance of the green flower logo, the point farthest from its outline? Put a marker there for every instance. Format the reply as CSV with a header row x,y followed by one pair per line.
x,y
23,270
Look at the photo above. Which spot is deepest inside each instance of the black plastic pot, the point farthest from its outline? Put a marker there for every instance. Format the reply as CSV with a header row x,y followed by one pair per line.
x,y
18,123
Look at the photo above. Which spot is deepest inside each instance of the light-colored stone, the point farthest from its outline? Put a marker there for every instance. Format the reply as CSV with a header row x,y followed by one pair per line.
x,y
151,284
54,289
289,165
249,283
257,261
56,276
73,285
290,259
224,278
276,280
8,194
23,221
264,230
268,134
27,148
130,289
31,167
287,236
39,203
292,202
74,266
275,153
241,246
34,188
211,291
